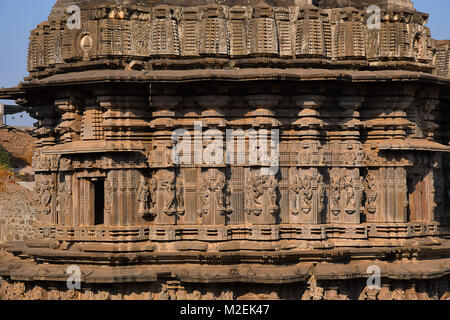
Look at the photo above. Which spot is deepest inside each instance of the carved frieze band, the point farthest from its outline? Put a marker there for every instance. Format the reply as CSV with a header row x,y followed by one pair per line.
x,y
223,233
234,32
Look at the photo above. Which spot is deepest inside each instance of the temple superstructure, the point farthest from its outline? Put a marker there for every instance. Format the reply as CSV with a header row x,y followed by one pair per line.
x,y
362,138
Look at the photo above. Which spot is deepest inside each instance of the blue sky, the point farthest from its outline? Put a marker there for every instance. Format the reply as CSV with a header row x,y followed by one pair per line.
x,y
18,17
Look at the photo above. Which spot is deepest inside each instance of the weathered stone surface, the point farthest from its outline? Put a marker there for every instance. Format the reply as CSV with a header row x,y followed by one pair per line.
x,y
142,35
174,290
363,172
17,214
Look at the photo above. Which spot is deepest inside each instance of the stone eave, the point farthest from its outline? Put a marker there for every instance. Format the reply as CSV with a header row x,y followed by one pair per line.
x,y
11,93
265,74
80,147
412,145
256,270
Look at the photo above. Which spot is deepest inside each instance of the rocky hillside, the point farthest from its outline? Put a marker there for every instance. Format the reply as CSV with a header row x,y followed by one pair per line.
x,y
19,144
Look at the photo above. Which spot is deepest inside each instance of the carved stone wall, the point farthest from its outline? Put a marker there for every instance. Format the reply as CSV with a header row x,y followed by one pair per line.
x,y
275,143
176,290
443,58
287,34
375,159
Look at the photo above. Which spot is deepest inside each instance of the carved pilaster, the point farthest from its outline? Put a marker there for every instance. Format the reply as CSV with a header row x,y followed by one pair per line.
x,y
64,201
309,121
264,113
393,195
69,128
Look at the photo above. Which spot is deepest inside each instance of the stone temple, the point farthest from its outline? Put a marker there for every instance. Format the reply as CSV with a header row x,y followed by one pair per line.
x,y
363,175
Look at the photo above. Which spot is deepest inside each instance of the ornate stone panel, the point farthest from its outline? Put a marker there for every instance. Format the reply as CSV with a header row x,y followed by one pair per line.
x,y
214,204
261,197
346,193
307,196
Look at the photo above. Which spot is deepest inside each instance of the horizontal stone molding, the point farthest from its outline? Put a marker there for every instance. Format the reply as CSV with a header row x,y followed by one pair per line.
x,y
364,231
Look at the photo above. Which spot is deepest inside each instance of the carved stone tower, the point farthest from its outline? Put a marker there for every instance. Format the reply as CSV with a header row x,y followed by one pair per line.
x,y
354,116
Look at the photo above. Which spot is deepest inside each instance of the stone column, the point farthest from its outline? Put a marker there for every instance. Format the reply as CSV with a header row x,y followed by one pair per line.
x,y
164,173
2,112
306,188
261,190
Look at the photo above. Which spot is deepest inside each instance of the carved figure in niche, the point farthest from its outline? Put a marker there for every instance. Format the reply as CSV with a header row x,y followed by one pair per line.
x,y
419,45
302,190
63,198
168,193
64,164
350,157
372,194
350,205
307,195
302,194
295,192
67,198
218,186
205,195
259,186
214,188
42,162
153,188
305,156
38,191
47,197
161,155
59,195
168,154
228,193
108,197
272,186
335,195
254,194
321,187
370,158
180,196
144,199
162,192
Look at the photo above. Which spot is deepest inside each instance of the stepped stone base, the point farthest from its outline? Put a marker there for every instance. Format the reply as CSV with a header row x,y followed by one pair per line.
x,y
432,289
407,273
